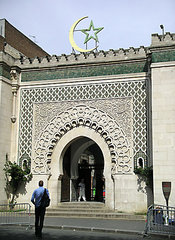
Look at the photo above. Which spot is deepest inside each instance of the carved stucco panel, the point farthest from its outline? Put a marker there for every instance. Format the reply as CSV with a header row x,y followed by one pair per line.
x,y
111,118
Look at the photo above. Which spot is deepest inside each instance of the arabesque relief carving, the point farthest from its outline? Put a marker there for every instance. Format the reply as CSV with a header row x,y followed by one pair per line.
x,y
111,118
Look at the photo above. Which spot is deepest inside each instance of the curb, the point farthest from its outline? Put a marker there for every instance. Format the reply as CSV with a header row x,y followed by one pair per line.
x,y
94,229
109,230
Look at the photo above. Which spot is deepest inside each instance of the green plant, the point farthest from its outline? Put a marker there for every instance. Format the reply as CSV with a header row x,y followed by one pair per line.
x,y
14,176
146,174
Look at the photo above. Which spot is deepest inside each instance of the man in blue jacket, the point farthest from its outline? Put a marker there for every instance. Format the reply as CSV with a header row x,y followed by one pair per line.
x,y
39,210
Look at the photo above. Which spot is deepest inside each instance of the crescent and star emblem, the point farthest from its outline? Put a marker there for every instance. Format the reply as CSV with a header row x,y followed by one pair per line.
x,y
91,33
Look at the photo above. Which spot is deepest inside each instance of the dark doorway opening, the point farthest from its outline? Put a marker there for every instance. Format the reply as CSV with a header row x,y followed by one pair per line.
x,y
90,166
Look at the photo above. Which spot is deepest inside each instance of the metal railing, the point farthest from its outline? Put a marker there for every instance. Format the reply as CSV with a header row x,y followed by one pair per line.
x,y
160,219
18,213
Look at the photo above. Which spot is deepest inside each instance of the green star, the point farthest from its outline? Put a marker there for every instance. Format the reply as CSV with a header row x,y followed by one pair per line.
x,y
91,35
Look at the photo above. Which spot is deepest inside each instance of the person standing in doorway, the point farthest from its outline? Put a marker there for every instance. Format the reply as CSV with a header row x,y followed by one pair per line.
x,y
81,187
39,210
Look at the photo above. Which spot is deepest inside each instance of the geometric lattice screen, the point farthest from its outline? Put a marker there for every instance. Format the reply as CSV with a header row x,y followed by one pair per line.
x,y
134,89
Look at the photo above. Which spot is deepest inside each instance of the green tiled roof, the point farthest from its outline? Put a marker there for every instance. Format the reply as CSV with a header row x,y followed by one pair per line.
x,y
83,71
164,56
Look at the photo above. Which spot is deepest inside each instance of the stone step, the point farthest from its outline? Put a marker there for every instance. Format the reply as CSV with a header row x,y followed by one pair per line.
x,y
88,210
83,205
79,207
99,215
77,210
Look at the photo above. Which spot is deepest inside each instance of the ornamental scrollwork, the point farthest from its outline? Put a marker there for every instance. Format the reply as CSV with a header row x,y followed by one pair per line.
x,y
53,120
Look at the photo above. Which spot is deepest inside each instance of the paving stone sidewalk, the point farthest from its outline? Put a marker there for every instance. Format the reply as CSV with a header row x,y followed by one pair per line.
x,y
93,224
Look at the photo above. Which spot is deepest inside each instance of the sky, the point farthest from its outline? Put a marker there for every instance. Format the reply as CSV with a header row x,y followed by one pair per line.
x,y
127,23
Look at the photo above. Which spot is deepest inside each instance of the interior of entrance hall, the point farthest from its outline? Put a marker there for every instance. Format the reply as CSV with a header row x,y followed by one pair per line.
x,y
83,159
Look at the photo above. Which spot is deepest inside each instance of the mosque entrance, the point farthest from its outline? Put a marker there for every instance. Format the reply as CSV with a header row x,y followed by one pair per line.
x,y
83,159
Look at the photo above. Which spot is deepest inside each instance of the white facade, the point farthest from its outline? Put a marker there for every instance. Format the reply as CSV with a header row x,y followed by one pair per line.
x,y
117,101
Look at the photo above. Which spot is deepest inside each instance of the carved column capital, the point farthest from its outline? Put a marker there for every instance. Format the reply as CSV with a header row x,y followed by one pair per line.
x,y
15,80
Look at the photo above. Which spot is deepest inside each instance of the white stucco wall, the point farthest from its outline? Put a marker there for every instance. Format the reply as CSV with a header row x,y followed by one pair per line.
x,y
163,115
130,194
5,130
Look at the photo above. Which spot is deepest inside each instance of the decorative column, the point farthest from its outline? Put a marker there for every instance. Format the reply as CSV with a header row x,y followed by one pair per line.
x,y
59,187
15,86
15,73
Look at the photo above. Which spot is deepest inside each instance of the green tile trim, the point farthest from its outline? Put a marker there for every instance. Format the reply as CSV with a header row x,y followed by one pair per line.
x,y
85,71
165,56
5,71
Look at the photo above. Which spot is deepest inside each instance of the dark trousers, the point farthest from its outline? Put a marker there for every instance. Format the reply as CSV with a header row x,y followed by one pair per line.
x,y
39,220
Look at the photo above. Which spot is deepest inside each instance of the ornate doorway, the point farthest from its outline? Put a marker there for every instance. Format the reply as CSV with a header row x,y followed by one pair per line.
x,y
76,141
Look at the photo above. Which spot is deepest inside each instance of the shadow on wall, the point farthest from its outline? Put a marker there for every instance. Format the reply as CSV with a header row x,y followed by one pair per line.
x,y
145,183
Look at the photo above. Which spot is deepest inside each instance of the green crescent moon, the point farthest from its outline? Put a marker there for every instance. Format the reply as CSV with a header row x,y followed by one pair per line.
x,y
71,37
